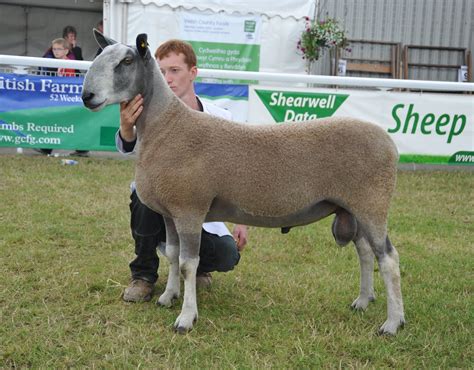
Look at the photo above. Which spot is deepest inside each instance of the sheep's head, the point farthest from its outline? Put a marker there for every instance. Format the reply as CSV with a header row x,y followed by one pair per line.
x,y
117,74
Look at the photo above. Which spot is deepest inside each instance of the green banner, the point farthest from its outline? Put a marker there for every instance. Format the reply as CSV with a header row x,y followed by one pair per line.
x,y
232,57
463,157
458,159
60,128
47,112
300,106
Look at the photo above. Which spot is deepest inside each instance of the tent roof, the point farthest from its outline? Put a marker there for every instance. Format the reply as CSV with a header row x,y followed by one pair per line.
x,y
283,8
92,5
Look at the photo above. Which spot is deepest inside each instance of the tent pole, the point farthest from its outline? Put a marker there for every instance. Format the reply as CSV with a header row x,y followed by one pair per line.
x,y
124,30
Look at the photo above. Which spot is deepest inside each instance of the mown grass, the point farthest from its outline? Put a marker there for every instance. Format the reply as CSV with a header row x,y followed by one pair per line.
x,y
65,246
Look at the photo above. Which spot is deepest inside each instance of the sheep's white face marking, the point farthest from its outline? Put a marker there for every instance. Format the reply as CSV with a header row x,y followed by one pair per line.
x,y
116,75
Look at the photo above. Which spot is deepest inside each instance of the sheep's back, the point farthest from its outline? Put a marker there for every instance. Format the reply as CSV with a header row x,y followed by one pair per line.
x,y
188,157
302,162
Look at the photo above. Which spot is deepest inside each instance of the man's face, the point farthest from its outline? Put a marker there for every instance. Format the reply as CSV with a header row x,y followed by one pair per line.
x,y
177,74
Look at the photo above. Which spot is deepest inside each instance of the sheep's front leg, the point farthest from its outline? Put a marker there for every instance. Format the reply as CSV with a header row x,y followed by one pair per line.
x,y
171,292
366,259
190,240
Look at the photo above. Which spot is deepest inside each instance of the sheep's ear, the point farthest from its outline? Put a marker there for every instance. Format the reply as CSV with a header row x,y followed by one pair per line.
x,y
102,40
142,44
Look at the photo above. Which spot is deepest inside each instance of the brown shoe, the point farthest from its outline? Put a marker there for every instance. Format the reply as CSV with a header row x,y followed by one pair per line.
x,y
138,291
203,280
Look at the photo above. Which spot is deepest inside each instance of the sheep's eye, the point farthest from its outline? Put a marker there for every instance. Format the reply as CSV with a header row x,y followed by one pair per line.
x,y
127,61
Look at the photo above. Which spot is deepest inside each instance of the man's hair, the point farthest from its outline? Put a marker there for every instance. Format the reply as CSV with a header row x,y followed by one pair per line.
x,y
69,29
177,47
62,42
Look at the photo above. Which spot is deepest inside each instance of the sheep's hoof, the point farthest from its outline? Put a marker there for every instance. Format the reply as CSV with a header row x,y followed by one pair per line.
x,y
182,325
391,327
182,330
167,300
361,304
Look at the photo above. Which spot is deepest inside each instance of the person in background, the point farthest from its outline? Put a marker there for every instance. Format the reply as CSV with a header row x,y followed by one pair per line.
x,y
60,49
219,248
64,46
70,34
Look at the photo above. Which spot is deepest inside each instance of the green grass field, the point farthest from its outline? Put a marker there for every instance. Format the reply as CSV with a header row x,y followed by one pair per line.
x,y
65,247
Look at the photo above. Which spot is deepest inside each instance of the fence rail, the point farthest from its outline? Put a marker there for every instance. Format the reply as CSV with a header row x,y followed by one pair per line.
x,y
21,64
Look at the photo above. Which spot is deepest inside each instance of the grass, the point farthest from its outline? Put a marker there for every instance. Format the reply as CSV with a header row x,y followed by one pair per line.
x,y
65,247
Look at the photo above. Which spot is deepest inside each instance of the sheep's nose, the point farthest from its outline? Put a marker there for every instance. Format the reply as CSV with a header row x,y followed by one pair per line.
x,y
87,97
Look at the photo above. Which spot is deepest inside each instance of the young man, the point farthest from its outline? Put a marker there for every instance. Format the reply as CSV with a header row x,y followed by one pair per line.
x,y
219,249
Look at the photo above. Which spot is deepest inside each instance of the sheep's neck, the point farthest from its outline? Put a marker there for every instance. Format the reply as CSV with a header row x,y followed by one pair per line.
x,y
157,96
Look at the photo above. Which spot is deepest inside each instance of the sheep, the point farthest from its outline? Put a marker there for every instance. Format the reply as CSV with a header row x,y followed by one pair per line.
x,y
192,168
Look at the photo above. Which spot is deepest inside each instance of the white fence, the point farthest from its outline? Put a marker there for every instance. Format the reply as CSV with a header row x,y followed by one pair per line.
x,y
18,64
429,121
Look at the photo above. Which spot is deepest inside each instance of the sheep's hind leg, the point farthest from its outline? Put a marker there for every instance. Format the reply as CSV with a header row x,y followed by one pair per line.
x,y
366,259
171,292
387,258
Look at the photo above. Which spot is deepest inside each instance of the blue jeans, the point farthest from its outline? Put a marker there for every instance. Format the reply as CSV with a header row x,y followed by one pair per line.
x,y
148,230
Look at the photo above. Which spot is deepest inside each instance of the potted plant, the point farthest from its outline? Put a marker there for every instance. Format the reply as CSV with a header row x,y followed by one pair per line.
x,y
320,36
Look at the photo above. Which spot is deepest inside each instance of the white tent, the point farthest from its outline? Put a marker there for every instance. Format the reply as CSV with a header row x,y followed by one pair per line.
x,y
281,24
29,26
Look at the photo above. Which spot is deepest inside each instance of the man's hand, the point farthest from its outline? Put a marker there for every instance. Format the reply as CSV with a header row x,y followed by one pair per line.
x,y
240,235
129,112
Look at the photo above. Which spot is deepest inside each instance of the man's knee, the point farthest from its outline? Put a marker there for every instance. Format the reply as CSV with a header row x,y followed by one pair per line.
x,y
217,253
227,254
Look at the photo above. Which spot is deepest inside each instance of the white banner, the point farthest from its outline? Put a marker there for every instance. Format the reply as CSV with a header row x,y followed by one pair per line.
x,y
420,124
223,42
234,29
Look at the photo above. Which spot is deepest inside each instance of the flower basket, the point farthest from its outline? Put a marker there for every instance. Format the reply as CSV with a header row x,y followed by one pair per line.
x,y
320,36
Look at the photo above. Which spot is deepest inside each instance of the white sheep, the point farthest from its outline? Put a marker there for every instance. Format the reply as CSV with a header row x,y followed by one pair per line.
x,y
287,175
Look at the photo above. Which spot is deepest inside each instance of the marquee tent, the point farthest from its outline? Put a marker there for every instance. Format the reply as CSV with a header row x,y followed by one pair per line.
x,y
281,24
